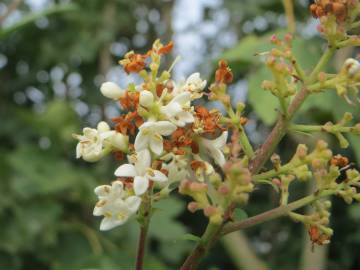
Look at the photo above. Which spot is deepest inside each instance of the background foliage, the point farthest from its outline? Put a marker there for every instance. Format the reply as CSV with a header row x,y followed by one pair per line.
x,y
53,57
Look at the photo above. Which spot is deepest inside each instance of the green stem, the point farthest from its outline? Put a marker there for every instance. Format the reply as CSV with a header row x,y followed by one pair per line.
x,y
272,173
289,12
276,212
245,143
322,63
244,140
317,128
300,72
209,237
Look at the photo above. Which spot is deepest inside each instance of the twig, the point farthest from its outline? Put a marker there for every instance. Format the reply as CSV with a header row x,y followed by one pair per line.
x,y
289,12
141,247
275,213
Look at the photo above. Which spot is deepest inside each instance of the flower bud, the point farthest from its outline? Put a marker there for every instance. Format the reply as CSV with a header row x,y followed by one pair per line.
x,y
224,189
193,207
301,151
120,142
146,98
357,129
111,90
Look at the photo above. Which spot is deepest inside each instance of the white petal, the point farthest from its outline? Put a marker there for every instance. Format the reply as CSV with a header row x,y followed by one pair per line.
x,y
171,109
220,141
102,190
141,141
146,98
103,126
90,132
107,134
133,203
78,150
156,175
193,77
165,128
110,223
143,161
186,117
126,170
156,144
141,184
182,98
148,124
117,187
218,156
98,211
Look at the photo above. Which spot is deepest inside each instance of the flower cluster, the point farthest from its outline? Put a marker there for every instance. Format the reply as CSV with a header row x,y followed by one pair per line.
x,y
335,16
165,137
325,169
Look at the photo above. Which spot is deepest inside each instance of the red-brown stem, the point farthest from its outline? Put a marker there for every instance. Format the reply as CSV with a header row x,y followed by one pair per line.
x,y
277,133
141,247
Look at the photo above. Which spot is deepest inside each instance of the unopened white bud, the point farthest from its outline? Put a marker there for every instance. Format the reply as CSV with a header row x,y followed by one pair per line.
x,y
111,90
352,66
119,142
146,98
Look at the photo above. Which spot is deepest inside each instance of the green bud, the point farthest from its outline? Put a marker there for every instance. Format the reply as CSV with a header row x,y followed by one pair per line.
x,y
165,75
240,107
342,140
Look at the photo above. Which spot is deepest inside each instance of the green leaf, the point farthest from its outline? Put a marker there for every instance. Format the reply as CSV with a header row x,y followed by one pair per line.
x,y
191,237
40,172
240,214
264,103
163,224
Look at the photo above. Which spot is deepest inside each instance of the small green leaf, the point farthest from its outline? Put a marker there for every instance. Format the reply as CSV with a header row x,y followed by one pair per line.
x,y
191,237
240,214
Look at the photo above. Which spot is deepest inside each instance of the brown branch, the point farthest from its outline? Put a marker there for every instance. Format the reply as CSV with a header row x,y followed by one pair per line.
x,y
276,212
141,248
277,133
209,238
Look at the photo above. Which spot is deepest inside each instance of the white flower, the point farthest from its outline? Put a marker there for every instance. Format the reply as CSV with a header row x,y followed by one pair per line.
x,y
214,147
150,135
114,205
204,170
193,84
177,110
112,90
178,167
141,172
91,146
